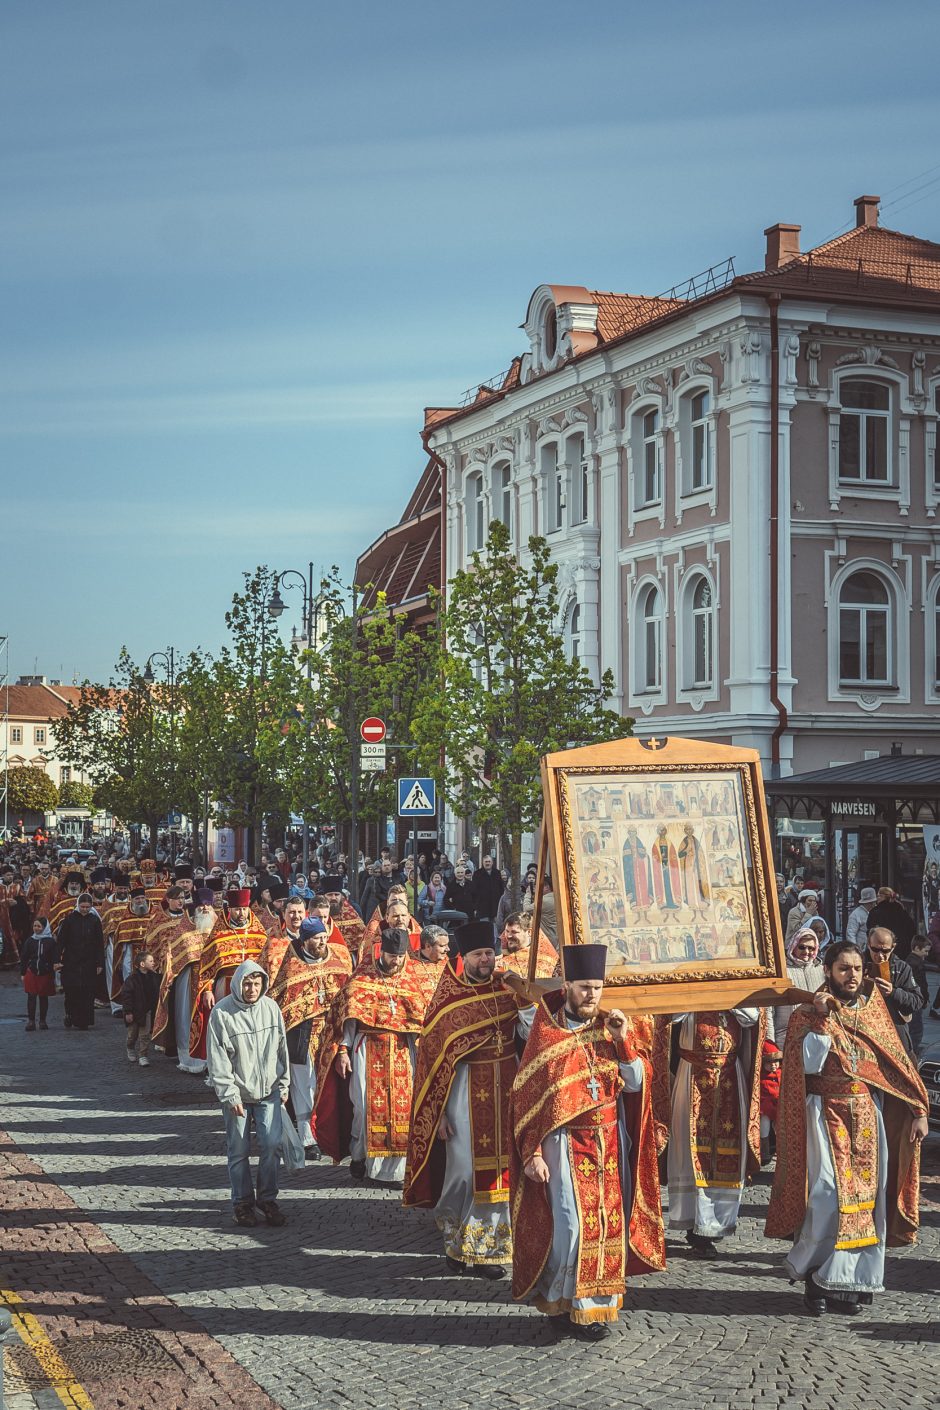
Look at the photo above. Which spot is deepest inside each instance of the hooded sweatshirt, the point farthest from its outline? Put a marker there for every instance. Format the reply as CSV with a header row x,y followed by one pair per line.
x,y
246,1046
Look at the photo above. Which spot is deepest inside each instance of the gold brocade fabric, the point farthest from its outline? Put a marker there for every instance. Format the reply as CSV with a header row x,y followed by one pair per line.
x,y
182,950
226,949
130,930
306,991
546,963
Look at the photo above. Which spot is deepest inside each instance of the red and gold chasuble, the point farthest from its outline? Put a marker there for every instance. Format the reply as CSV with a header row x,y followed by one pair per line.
x,y
428,975
165,929
370,945
270,921
272,953
41,893
227,948
546,963
472,1023
569,1081
715,1134
305,991
351,927
130,931
388,1010
61,908
184,948
866,1056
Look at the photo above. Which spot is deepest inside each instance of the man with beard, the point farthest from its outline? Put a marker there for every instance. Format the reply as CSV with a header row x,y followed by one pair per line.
x,y
343,913
397,917
176,1005
130,936
310,976
584,1179
365,1065
278,942
183,877
429,963
516,942
852,1116
67,901
154,881
458,1145
168,922
42,890
237,939
111,913
268,909
80,958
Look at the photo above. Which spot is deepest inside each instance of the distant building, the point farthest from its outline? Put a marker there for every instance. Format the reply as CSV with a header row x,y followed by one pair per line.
x,y
739,481
404,562
35,704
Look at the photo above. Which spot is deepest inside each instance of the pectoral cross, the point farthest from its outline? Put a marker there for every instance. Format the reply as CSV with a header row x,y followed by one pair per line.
x,y
594,1088
392,1006
321,995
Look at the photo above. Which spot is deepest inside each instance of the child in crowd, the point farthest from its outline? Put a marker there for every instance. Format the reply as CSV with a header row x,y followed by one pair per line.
x,y
771,1058
37,961
139,1001
917,959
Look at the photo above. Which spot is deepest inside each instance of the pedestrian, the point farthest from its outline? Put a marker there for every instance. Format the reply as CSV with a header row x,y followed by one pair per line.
x,y
804,971
138,1002
889,912
457,892
249,1068
80,958
486,887
37,966
893,976
917,959
857,927
431,896
803,912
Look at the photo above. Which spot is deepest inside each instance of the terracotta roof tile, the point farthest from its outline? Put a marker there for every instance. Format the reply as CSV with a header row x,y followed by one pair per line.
x,y
869,258
621,313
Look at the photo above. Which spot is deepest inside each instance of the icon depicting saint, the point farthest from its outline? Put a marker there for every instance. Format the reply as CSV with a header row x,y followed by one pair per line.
x,y
695,886
666,878
637,878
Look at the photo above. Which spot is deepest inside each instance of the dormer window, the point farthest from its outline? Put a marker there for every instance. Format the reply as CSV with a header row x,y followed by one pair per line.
x,y
550,332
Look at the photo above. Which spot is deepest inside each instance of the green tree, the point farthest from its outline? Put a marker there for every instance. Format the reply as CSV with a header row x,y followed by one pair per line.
x,y
30,790
74,794
119,735
507,693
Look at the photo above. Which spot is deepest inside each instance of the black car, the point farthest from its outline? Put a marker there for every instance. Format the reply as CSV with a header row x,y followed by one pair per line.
x,y
930,1073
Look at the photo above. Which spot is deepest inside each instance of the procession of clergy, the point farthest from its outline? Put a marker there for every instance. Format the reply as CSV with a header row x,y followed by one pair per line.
x,y
537,1133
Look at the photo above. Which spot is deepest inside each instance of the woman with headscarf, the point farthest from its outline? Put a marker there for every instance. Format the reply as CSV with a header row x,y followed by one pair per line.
x,y
804,971
822,932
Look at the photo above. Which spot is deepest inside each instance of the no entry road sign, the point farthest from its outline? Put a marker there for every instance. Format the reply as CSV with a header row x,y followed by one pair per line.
x,y
372,730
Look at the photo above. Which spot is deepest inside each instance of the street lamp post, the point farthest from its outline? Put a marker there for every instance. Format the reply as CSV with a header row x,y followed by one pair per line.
x,y
167,659
276,607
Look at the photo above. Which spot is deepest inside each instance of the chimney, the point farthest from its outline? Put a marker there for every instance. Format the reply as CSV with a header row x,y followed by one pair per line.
x,y
866,210
783,244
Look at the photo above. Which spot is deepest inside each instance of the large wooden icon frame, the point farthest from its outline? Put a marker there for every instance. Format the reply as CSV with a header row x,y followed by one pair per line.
x,y
660,849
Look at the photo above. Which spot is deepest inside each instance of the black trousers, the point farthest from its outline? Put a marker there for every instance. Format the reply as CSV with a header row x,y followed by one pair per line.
x,y
31,1006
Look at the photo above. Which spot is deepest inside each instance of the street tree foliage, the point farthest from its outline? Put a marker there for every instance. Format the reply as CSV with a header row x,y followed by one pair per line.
x,y
30,790
120,735
362,662
75,794
507,692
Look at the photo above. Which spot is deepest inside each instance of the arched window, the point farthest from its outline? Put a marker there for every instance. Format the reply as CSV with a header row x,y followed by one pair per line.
x,y
476,527
550,332
647,459
502,493
648,641
865,648
699,666
864,431
574,633
553,481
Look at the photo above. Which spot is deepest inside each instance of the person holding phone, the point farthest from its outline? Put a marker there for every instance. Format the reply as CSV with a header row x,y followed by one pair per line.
x,y
895,979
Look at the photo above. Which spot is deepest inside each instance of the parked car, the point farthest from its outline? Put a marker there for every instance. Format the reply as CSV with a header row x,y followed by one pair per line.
x,y
81,854
930,1073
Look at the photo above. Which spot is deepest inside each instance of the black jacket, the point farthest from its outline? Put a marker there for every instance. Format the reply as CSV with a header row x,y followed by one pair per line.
x,y
905,998
80,947
139,996
458,897
38,954
486,889
894,917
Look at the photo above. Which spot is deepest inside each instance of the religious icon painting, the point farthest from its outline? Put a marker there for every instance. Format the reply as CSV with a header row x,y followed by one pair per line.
x,y
660,850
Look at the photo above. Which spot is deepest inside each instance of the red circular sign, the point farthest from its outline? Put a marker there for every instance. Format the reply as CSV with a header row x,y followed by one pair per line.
x,y
372,730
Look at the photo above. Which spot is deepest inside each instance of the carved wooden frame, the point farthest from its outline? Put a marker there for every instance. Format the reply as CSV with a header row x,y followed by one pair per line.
x,y
695,985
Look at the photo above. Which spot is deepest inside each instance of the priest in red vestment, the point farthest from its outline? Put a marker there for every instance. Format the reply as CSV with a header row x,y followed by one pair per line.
x,y
365,1066
430,961
343,913
237,937
584,1179
516,946
279,941
129,938
176,1012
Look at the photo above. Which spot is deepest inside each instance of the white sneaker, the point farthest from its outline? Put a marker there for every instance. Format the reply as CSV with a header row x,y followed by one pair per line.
x,y
144,1062
131,1057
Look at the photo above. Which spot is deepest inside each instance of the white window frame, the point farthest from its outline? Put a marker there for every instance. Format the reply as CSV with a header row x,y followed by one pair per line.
x,y
688,497
502,495
878,612
578,479
39,734
574,633
931,600
476,513
65,774
553,477
898,487
640,694
16,734
687,689
884,417
931,456
897,580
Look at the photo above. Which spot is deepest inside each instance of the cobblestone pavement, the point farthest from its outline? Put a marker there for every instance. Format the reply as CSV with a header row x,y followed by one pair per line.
x,y
120,1230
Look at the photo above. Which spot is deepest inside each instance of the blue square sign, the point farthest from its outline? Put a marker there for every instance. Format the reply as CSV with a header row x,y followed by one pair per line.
x,y
416,798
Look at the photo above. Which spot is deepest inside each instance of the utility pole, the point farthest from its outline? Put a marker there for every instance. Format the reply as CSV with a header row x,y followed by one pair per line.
x,y
354,762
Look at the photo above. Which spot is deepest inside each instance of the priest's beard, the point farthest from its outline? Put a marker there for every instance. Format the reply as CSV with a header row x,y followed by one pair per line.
x,y
203,923
336,909
845,996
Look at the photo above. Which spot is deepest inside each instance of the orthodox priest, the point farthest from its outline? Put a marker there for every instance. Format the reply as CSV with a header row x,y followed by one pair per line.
x,y
584,1179
365,1066
714,1138
129,936
169,922
279,941
458,1145
308,979
851,1119
430,962
516,945
67,900
236,938
343,913
176,1005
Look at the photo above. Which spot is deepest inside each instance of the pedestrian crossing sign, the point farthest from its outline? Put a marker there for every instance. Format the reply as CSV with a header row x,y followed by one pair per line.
x,y
416,798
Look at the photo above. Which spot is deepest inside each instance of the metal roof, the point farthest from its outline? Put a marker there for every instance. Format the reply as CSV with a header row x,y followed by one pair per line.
x,y
890,776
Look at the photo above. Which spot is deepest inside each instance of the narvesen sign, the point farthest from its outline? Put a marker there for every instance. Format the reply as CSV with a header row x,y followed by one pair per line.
x,y
852,808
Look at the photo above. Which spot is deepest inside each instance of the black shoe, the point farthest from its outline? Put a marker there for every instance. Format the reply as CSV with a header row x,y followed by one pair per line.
x,y
244,1214
590,1331
492,1271
30,1028
68,1022
272,1215
357,1170
935,1013
312,1152
455,1265
848,1306
701,1247
43,1026
813,1298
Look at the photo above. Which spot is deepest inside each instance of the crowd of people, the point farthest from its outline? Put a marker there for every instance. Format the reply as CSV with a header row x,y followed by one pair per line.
x,y
538,1130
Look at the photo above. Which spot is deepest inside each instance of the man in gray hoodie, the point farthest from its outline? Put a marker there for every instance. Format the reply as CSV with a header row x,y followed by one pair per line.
x,y
249,1068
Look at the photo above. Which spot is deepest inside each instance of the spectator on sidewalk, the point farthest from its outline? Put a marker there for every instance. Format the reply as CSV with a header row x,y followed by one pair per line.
x,y
891,914
457,893
250,1071
139,1003
856,929
37,966
895,978
485,889
917,959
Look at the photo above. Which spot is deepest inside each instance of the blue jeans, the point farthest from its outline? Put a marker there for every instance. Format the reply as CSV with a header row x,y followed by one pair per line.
x,y
267,1120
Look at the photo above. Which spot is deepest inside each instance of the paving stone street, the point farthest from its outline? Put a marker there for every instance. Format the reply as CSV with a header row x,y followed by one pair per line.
x,y
117,1240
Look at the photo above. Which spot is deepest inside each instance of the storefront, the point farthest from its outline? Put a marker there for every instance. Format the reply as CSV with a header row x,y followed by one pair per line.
x,y
875,823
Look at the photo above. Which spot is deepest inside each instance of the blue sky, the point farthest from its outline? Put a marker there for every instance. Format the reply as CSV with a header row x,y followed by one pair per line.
x,y
243,245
